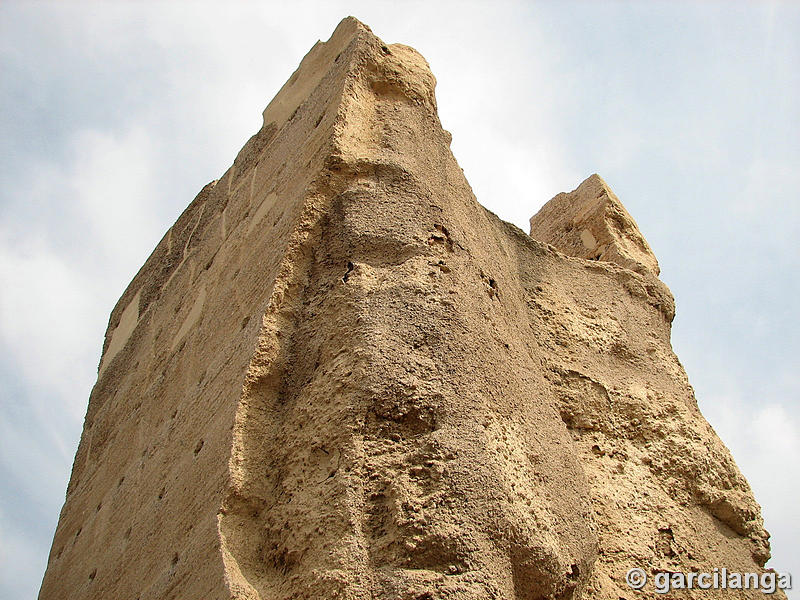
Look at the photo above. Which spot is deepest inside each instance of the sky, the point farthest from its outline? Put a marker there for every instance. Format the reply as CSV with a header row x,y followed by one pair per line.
x,y
113,117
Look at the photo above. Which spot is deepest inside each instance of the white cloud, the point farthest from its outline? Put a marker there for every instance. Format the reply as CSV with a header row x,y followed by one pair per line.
x,y
116,198
62,270
44,311
21,561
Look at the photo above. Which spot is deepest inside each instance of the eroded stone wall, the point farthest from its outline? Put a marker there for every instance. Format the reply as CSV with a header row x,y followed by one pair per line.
x,y
338,376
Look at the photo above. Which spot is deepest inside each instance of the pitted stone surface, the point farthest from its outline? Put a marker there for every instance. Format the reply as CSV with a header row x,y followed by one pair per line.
x,y
590,222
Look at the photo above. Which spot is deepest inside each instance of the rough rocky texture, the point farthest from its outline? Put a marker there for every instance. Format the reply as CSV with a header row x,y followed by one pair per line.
x,y
338,376
590,222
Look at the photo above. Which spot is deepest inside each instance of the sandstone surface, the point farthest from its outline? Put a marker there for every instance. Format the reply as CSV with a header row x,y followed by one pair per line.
x,y
338,376
590,222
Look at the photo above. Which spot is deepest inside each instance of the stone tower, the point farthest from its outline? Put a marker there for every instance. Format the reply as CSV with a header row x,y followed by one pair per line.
x,y
338,376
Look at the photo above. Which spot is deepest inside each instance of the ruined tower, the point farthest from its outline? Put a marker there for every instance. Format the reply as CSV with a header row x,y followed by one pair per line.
x,y
339,376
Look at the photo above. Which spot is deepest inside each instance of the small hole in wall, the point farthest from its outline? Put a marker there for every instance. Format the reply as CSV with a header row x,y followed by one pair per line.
x,y
175,559
121,481
93,574
569,419
198,447
574,572
319,120
347,273
245,321
161,493
99,506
